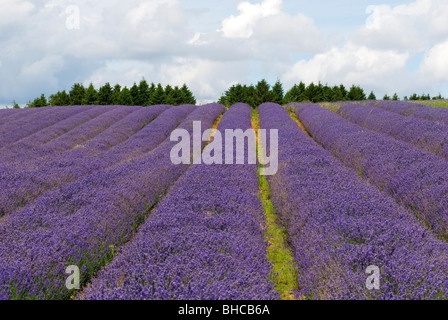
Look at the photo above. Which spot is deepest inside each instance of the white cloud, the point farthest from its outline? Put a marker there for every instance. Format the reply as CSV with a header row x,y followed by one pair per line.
x,y
350,64
241,26
435,64
123,41
413,26
14,13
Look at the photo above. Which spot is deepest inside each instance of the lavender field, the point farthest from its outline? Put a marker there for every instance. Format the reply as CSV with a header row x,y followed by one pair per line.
x,y
359,187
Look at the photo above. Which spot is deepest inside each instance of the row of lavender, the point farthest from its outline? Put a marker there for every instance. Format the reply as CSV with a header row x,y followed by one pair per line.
x,y
40,145
416,179
121,142
204,241
339,225
32,123
427,135
83,222
16,118
410,109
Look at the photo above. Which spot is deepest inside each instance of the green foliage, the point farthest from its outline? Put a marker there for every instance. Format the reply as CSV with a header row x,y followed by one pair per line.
x,y
105,95
371,96
313,93
91,96
135,94
142,94
159,96
262,93
38,102
386,97
116,94
278,93
126,97
15,105
356,93
188,97
395,97
60,99
295,94
77,94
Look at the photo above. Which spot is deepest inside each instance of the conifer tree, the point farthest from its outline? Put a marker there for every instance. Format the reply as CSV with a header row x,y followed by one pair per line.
x,y
91,96
105,95
135,94
188,95
159,96
126,97
116,92
337,94
144,93
77,93
277,93
371,96
262,93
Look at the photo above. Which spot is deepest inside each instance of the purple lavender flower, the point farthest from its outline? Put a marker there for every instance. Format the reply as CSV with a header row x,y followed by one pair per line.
x,y
81,223
338,224
426,135
204,241
416,179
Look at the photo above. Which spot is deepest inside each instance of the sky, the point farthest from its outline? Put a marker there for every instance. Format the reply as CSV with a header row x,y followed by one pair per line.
x,y
385,47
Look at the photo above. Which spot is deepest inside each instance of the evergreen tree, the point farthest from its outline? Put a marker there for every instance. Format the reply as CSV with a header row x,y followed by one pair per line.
x,y
386,97
91,96
77,93
250,95
159,96
176,96
337,94
371,96
126,97
60,99
356,93
38,102
105,95
414,97
277,93
327,93
151,91
313,93
188,95
144,93
235,94
135,93
262,93
395,97
116,93
168,95
344,92
295,94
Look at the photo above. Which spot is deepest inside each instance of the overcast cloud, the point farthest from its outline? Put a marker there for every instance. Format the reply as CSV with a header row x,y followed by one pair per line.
x,y
399,46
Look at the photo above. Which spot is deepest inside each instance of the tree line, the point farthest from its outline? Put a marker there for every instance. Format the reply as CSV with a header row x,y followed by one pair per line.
x,y
143,94
254,95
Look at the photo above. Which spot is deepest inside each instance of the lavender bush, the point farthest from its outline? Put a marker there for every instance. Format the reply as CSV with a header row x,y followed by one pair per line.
x,y
410,109
338,225
82,223
204,241
19,187
426,135
416,179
